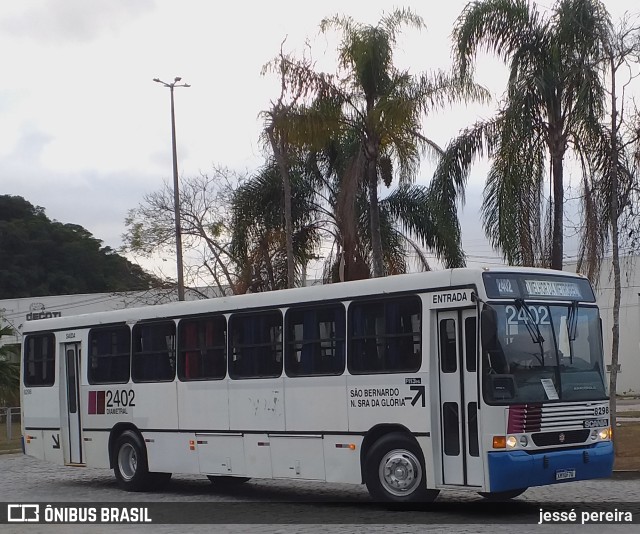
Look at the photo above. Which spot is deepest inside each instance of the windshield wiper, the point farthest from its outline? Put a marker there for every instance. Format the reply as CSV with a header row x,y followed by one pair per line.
x,y
532,327
572,320
572,327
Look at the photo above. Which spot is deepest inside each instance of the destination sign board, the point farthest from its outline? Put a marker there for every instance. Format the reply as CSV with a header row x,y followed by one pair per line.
x,y
537,286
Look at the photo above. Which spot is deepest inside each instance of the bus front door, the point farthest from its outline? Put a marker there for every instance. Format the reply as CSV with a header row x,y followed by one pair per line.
x,y
457,338
74,428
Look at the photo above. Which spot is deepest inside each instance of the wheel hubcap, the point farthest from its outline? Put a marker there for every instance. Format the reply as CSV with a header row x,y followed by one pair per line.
x,y
400,472
127,461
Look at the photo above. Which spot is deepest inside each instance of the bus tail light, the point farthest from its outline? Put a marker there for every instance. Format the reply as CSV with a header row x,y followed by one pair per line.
x,y
499,442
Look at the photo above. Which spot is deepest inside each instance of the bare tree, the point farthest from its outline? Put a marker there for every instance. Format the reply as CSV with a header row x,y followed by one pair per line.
x,y
204,211
612,184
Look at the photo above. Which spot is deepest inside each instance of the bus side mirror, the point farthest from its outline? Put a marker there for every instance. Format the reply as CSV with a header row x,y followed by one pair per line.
x,y
489,328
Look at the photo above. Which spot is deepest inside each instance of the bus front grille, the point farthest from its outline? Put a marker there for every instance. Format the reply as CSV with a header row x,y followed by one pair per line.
x,y
542,439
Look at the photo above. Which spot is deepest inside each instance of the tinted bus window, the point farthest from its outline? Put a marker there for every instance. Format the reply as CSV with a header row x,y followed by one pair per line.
x,y
154,352
315,341
385,336
256,345
109,355
202,352
448,346
39,360
470,343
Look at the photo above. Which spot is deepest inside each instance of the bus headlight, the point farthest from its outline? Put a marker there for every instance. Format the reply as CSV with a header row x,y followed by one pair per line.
x,y
524,441
605,433
511,442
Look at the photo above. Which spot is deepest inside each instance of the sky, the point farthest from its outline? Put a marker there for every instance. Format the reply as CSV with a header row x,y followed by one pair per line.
x,y
85,133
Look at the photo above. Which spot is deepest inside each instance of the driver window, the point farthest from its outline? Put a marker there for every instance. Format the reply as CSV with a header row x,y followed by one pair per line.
x,y
522,351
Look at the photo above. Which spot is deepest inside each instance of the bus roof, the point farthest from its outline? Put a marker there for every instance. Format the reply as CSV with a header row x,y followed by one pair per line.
x,y
441,279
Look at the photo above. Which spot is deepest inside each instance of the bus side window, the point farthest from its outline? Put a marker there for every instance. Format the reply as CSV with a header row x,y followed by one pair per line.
x,y
256,345
39,365
315,341
154,352
448,346
403,325
385,336
202,348
365,331
109,354
470,337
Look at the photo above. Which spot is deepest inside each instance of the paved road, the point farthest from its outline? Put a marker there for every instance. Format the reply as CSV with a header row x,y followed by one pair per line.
x,y
318,505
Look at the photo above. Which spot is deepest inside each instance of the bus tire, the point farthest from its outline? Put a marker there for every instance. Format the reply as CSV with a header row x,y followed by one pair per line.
x,y
394,470
502,495
227,481
130,465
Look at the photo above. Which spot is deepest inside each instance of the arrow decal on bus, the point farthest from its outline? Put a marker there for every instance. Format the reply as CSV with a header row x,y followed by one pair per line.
x,y
420,394
56,440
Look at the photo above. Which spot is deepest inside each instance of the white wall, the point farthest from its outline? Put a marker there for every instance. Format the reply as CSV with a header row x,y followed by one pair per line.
x,y
16,312
629,352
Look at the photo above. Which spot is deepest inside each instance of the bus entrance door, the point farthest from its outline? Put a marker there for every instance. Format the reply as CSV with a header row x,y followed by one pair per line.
x,y
457,338
74,428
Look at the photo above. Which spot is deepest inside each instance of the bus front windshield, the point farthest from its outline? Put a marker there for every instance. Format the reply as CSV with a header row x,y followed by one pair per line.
x,y
541,353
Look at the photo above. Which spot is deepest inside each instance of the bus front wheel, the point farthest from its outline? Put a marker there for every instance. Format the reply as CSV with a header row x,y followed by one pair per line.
x,y
394,470
130,466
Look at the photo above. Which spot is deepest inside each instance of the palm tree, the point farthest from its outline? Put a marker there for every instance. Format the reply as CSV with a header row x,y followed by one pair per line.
x,y
409,224
9,371
277,135
258,242
554,101
383,106
411,220
374,107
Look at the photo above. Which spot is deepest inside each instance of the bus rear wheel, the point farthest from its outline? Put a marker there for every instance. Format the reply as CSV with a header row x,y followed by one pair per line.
x,y
502,495
394,471
130,465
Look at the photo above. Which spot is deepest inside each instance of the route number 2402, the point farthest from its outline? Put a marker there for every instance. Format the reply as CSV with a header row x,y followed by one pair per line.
x,y
540,315
120,397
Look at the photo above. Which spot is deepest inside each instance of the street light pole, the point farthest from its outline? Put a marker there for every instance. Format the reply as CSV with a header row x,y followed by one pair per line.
x,y
176,191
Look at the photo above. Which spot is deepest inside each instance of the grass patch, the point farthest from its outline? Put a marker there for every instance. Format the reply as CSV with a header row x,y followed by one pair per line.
x,y
14,443
633,413
627,439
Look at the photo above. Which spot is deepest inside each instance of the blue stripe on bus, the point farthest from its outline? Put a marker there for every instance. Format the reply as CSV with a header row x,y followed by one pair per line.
x,y
520,469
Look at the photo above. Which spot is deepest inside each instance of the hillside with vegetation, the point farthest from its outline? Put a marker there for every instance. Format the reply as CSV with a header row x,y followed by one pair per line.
x,y
40,257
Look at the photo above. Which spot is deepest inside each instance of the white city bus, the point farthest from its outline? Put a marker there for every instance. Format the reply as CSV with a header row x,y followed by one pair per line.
x,y
488,380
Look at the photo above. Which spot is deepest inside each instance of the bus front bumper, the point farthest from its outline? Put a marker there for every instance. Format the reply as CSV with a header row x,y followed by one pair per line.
x,y
520,469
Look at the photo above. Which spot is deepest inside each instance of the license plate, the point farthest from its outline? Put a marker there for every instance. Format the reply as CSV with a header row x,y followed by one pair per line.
x,y
565,474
